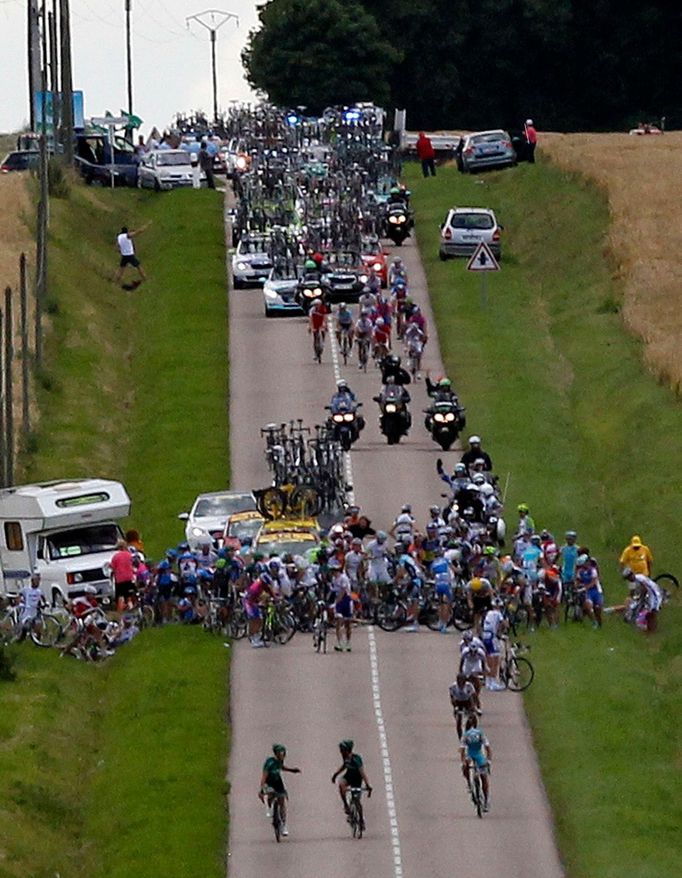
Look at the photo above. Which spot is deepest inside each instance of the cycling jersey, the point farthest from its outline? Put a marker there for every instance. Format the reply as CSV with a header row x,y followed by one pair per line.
x,y
345,318
272,768
569,555
473,660
363,327
317,319
462,694
404,525
654,597
474,743
352,767
382,334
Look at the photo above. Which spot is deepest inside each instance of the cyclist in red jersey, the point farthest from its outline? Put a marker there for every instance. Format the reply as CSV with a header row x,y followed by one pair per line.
x,y
317,317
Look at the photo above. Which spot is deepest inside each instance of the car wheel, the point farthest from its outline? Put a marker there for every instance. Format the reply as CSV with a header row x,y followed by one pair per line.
x,y
269,313
237,284
157,186
140,184
442,256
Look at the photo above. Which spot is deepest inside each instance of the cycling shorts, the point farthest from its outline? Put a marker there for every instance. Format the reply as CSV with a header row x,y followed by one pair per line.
x,y
344,607
491,643
444,591
481,602
413,590
276,784
479,759
594,595
253,611
353,779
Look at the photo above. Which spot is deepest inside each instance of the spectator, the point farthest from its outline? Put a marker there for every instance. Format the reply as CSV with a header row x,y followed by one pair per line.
x,y
123,573
196,171
426,155
206,164
126,247
637,557
531,139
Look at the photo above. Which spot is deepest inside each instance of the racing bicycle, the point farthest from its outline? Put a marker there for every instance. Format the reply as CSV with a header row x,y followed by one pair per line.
x,y
516,672
363,352
279,624
475,785
318,344
277,819
356,817
320,627
346,344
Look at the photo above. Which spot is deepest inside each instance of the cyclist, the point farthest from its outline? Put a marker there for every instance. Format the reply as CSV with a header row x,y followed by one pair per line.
x,y
409,578
396,272
494,628
344,323
353,771
271,783
343,605
441,571
479,598
381,337
31,599
416,317
651,593
568,555
259,589
403,526
637,557
317,320
526,523
363,333
474,748
367,300
463,700
378,554
415,339
587,571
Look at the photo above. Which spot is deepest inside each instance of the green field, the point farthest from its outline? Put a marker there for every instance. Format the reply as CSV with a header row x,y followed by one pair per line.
x,y
590,440
104,769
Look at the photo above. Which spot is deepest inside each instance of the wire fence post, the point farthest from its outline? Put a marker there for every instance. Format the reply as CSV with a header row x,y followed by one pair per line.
x,y
9,400
41,251
25,353
3,432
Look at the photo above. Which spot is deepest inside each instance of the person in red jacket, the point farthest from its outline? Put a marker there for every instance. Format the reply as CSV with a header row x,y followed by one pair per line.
x,y
426,155
532,140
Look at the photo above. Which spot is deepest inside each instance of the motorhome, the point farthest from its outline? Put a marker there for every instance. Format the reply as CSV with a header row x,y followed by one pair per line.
x,y
64,530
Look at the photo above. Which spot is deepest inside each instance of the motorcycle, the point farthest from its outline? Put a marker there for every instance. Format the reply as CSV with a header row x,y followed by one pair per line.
x,y
345,423
308,291
394,419
398,223
444,421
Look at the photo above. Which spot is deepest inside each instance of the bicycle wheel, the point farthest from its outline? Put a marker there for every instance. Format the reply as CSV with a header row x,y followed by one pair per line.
x,y
357,819
237,625
272,503
9,630
305,501
667,579
462,617
284,628
478,794
390,615
147,616
277,819
49,632
520,674
430,615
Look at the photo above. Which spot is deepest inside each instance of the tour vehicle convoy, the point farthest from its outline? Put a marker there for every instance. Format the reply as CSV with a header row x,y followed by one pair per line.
x,y
206,520
64,530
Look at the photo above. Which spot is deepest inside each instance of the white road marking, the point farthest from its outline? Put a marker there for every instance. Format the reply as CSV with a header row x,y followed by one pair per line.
x,y
385,756
374,667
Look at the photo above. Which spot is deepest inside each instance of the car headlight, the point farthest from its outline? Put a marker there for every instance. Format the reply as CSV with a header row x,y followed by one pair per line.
x,y
271,294
363,278
338,419
390,407
377,266
349,417
197,532
241,162
242,266
78,577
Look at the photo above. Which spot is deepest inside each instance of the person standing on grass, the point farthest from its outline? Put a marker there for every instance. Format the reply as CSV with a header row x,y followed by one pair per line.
x,y
126,247
531,139
426,155
123,574
206,164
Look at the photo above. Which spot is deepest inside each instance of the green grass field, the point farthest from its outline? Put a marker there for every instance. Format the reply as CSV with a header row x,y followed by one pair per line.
x,y
119,769
591,441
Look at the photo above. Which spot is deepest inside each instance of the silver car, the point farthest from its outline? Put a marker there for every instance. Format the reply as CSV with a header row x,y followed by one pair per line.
x,y
251,264
463,230
485,149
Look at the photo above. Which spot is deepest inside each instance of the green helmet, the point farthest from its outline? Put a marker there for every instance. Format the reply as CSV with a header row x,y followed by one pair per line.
x,y
523,508
346,745
395,190
279,748
310,265
489,550
445,382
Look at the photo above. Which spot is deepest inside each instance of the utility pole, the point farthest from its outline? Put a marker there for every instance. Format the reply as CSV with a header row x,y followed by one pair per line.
x,y
67,81
129,57
213,20
54,68
33,58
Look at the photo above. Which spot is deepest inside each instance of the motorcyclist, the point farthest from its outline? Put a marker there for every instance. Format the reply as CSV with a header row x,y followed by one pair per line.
x,y
344,397
399,195
475,452
311,270
441,390
397,393
390,365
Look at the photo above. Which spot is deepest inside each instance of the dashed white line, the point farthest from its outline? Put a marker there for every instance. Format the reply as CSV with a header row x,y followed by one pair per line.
x,y
374,667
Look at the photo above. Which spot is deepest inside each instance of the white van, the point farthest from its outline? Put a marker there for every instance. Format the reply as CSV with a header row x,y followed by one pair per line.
x,y
64,530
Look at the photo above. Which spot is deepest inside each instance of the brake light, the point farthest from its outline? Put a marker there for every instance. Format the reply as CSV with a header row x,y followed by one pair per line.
x,y
469,150
447,234
496,235
507,143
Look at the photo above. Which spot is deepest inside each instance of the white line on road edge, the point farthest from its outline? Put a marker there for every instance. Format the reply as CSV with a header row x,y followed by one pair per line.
x,y
374,666
385,757
337,377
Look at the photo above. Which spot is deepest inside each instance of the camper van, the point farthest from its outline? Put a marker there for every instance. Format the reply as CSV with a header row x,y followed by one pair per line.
x,y
64,530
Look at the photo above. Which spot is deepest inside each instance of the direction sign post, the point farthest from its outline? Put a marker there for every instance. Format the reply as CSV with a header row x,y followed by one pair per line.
x,y
483,260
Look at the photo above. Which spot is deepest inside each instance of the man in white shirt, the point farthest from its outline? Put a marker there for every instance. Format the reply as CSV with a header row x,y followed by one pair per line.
x,y
126,247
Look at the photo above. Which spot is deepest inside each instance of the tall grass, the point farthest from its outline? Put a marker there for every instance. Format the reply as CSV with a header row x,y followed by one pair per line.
x,y
591,441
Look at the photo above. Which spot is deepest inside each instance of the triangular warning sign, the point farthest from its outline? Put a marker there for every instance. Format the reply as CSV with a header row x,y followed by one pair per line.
x,y
482,259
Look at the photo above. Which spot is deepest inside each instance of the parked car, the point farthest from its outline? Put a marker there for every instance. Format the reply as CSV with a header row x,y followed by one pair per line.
x,y
96,164
279,292
485,149
251,264
465,227
20,160
166,169
209,514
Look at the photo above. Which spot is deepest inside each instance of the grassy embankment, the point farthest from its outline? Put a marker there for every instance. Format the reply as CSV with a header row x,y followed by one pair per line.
x,y
101,766
558,390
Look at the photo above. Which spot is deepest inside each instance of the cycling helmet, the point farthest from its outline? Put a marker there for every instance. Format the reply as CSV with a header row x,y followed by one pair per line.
x,y
571,534
545,534
476,583
163,565
382,536
445,383
342,305
395,190
460,468
334,564
346,745
535,538
468,636
406,507
356,541
279,748
474,440
498,602
265,578
489,550
523,508
380,321
435,510
478,479
627,572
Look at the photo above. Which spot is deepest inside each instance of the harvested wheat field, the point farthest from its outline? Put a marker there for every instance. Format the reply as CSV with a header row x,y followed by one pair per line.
x,y
15,235
642,176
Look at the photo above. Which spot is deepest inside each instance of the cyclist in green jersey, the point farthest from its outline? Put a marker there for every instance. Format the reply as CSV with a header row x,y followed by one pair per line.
x,y
353,773
271,783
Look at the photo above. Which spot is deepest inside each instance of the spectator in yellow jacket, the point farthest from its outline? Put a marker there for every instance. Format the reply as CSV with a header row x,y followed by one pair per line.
x,y
637,557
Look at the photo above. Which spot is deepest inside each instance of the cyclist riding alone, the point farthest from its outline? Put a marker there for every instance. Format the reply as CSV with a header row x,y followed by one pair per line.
x,y
637,557
317,317
463,700
271,783
353,771
474,748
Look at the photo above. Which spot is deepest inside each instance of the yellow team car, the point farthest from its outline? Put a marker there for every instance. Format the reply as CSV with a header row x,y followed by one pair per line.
x,y
241,525
292,536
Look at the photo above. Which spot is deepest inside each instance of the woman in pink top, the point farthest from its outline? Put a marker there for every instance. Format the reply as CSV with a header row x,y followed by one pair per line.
x,y
122,571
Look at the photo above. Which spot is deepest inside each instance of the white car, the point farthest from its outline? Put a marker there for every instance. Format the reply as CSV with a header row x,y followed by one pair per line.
x,y
463,230
209,513
166,169
251,264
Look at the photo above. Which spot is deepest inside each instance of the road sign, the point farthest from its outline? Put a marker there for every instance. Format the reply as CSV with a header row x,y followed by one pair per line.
x,y
482,259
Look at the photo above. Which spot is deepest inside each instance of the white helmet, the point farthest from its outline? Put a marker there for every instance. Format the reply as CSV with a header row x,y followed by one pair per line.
x,y
474,440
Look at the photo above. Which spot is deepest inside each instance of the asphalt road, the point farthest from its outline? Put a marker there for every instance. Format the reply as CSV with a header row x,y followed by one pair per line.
x,y
390,693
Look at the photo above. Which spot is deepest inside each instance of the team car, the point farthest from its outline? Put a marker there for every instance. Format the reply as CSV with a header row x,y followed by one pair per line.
x,y
251,264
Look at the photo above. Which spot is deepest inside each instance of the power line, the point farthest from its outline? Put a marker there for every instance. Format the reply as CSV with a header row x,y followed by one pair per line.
x,y
213,20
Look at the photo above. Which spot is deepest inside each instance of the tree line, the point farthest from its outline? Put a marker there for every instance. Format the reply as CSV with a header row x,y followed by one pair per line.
x,y
569,64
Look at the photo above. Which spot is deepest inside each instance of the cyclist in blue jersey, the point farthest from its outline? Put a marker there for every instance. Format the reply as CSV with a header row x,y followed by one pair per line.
x,y
409,577
441,571
568,555
474,748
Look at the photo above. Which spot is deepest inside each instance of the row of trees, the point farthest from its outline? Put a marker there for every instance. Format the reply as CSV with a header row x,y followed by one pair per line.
x,y
570,64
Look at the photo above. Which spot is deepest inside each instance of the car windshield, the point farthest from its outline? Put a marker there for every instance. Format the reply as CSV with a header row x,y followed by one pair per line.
x,y
371,247
223,505
342,260
245,528
472,221
492,137
284,547
83,541
172,158
257,246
